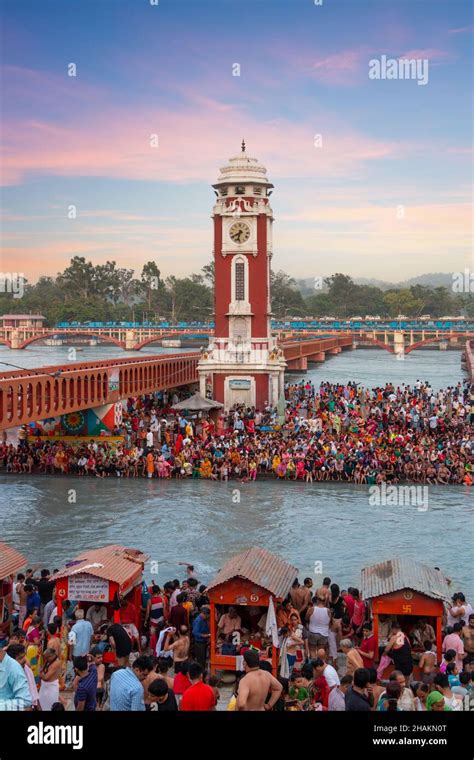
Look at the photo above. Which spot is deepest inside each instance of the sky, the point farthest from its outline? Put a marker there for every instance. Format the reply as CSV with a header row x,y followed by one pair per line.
x,y
373,177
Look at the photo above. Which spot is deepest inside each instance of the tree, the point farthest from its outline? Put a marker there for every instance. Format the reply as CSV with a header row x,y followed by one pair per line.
x,y
320,305
150,279
342,291
190,299
77,279
110,282
286,299
208,272
402,302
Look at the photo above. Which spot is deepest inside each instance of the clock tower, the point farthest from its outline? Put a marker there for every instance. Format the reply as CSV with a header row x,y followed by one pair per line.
x,y
242,364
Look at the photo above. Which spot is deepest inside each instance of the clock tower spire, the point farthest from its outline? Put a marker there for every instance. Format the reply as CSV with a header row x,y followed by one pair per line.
x,y
242,364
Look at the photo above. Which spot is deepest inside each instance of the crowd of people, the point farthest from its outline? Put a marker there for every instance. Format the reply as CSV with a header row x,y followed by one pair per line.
x,y
328,657
332,433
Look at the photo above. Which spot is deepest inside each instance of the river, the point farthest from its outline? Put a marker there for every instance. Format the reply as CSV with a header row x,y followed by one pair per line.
x,y
370,366
204,523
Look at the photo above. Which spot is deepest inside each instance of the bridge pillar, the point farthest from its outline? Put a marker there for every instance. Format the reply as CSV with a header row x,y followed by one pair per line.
x,y
398,342
385,337
15,339
130,340
334,351
297,365
318,357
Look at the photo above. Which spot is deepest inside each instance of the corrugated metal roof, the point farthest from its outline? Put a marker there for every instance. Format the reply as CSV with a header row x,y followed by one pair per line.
x,y
10,560
115,563
22,316
260,567
396,574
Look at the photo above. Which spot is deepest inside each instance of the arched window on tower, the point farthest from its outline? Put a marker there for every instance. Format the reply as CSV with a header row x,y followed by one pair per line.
x,y
240,281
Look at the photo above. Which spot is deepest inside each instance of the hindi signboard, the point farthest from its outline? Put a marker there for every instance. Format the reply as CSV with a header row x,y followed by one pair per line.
x,y
87,588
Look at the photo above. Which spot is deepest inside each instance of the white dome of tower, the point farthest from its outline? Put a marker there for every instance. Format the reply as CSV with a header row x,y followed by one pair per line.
x,y
243,169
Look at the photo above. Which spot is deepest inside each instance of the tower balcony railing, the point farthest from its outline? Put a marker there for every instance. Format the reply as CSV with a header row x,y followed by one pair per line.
x,y
237,355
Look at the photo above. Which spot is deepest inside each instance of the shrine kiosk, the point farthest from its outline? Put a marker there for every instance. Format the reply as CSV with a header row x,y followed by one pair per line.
x,y
11,562
251,581
99,576
408,589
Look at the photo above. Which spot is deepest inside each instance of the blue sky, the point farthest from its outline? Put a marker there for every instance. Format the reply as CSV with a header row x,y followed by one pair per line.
x,y
167,70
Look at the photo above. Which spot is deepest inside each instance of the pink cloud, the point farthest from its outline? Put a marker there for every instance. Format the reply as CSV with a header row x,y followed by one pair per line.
x,y
340,68
429,53
114,141
462,29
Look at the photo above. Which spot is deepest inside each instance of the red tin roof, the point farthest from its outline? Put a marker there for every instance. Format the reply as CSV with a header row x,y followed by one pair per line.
x,y
10,560
261,567
114,563
397,574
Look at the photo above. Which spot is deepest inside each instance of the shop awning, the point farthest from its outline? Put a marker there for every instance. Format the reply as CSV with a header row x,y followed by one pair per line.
x,y
197,403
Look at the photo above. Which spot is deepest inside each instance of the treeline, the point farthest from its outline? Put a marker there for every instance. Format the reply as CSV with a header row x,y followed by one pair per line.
x,y
105,292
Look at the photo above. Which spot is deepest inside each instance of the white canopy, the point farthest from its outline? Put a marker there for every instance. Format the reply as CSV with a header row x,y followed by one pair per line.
x,y
197,403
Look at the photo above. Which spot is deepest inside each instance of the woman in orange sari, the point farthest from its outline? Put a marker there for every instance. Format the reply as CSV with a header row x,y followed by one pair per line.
x,y
34,648
150,465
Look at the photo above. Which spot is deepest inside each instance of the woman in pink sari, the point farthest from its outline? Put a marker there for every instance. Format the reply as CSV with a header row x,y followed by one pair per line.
x,y
300,469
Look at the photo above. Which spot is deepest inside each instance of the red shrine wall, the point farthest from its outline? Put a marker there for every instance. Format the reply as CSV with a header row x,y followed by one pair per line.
x,y
261,390
218,382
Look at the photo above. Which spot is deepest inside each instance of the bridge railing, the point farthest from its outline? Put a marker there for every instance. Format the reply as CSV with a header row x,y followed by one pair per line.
x,y
297,349
55,390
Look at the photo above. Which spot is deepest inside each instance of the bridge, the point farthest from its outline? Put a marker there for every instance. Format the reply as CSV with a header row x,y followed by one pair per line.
x,y
301,352
128,339
133,339
393,341
31,395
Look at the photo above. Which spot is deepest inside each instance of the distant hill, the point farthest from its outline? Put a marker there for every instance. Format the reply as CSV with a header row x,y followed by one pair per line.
x,y
433,280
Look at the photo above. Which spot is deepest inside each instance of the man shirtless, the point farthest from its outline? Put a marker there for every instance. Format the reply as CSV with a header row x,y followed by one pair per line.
x,y
255,686
179,645
468,638
324,591
300,596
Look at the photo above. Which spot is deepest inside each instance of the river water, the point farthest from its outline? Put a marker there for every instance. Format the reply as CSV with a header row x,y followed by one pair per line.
x,y
205,523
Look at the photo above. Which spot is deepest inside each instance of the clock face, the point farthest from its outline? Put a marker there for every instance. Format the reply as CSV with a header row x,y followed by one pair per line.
x,y
239,232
